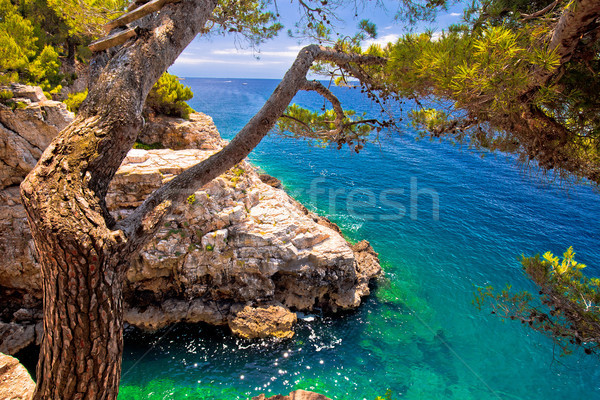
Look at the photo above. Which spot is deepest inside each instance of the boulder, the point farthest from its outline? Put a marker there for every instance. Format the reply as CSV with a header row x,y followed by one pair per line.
x,y
262,322
270,180
295,395
25,92
15,381
197,132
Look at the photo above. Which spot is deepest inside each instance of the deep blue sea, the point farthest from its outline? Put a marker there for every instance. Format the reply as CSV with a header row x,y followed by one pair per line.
x,y
445,221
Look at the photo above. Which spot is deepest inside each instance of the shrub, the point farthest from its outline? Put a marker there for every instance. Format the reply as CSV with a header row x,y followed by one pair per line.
x,y
144,146
75,99
168,97
45,71
6,95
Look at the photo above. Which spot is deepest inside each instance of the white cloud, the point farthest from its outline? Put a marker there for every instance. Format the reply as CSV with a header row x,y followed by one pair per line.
x,y
455,14
436,36
290,52
383,40
186,60
295,48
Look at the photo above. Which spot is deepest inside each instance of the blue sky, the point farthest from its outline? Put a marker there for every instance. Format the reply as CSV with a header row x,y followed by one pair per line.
x,y
224,57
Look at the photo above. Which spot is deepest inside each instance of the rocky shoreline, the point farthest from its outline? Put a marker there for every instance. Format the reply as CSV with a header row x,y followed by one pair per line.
x,y
239,251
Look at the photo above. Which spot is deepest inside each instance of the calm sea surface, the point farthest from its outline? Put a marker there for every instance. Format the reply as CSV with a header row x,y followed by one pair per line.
x,y
444,222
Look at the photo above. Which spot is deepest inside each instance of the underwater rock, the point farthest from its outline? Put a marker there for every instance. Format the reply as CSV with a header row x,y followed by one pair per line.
x,y
295,395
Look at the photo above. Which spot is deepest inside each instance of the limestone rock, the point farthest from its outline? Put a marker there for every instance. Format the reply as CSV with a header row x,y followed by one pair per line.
x,y
15,337
237,241
265,321
20,270
270,180
15,381
199,132
26,132
295,395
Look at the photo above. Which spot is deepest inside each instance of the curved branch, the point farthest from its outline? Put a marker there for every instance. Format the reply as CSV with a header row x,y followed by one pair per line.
x,y
304,124
318,87
541,12
145,220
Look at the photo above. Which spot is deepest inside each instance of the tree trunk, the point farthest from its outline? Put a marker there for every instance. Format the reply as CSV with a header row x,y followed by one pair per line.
x,y
71,53
82,271
83,258
80,356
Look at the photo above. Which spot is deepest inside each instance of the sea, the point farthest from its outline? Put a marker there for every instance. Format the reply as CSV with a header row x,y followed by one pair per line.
x,y
445,220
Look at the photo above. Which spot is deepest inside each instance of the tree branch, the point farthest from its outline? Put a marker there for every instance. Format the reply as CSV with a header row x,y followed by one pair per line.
x,y
318,87
541,12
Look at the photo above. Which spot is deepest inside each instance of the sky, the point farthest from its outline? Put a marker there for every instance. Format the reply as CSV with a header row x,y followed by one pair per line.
x,y
226,57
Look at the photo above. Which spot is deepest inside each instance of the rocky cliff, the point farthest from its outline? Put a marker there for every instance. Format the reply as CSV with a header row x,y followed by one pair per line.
x,y
238,244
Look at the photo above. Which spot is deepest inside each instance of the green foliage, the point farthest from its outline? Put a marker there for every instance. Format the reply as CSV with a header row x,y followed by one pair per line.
x,y
238,171
168,97
209,247
413,11
44,71
17,40
5,95
568,306
249,18
86,17
74,100
152,146
478,84
35,36
353,129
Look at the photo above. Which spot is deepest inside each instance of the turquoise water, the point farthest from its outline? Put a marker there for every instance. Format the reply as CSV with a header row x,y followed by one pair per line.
x,y
418,334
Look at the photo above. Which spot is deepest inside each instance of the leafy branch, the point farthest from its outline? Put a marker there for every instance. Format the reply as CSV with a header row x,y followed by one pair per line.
x,y
568,306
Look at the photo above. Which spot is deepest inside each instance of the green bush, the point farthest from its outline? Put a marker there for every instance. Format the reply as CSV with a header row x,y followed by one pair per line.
x,y
74,100
168,97
5,95
151,146
45,71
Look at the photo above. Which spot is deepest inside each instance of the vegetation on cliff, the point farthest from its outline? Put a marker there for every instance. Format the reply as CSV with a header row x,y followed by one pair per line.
x,y
168,97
